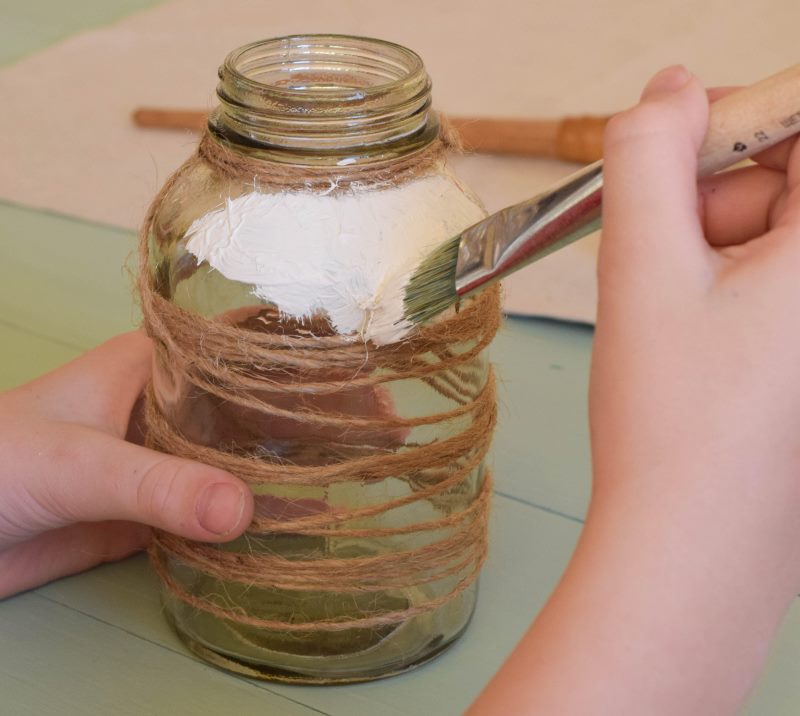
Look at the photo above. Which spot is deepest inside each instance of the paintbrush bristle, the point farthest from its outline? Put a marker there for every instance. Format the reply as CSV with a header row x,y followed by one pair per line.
x,y
432,287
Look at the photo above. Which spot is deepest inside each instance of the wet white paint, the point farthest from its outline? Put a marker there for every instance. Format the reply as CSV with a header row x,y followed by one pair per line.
x,y
346,255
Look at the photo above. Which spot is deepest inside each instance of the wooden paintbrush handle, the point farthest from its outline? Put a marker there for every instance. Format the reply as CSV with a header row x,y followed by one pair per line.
x,y
750,119
575,139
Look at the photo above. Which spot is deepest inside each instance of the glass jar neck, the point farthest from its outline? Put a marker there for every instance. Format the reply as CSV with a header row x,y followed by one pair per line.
x,y
324,100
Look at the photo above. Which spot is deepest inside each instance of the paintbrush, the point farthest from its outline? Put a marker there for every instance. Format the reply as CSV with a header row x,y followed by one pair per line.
x,y
741,124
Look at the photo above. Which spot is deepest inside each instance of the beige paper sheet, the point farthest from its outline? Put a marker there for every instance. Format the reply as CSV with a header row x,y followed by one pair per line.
x,y
67,145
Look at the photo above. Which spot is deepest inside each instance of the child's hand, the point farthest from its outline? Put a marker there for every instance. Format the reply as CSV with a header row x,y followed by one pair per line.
x,y
695,397
74,493
690,554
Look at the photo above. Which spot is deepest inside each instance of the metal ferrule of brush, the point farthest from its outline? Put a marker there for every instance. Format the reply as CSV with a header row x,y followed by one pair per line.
x,y
530,230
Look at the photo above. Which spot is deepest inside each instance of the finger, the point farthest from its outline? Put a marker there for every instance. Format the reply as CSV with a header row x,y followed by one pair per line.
x,y
715,93
76,474
736,206
650,205
780,249
785,213
137,427
97,389
793,168
777,156
788,220
66,551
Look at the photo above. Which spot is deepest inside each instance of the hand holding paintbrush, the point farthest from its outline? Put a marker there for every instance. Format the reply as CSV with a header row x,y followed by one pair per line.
x,y
690,554
741,124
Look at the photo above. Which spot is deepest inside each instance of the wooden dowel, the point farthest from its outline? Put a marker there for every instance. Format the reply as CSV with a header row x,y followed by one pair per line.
x,y
155,118
526,137
575,139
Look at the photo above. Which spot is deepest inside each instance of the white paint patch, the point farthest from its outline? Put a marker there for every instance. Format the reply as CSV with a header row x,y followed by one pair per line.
x,y
346,255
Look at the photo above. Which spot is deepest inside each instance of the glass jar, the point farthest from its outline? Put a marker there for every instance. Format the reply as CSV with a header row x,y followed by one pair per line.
x,y
311,108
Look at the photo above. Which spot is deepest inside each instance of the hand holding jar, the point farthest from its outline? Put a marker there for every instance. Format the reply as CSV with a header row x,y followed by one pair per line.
x,y
74,492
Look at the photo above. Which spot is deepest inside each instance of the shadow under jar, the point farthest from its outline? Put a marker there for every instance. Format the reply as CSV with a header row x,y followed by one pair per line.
x,y
366,461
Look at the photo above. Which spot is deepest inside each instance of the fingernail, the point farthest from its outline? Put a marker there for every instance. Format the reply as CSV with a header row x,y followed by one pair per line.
x,y
220,508
670,79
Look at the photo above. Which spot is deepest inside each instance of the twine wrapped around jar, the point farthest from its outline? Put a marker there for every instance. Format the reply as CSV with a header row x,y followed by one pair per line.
x,y
293,373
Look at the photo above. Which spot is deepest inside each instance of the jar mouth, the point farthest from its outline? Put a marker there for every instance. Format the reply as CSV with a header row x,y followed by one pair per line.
x,y
324,68
325,98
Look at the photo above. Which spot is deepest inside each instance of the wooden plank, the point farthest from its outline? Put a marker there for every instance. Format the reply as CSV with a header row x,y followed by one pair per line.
x,y
64,278
25,355
541,449
29,26
55,660
512,591
777,693
529,550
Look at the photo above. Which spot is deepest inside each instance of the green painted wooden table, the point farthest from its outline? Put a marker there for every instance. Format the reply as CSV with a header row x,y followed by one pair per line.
x,y
96,643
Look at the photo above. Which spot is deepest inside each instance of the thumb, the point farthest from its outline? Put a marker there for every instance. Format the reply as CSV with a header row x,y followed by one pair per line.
x,y
77,474
650,217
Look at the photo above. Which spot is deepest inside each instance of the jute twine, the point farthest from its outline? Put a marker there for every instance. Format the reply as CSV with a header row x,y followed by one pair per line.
x,y
289,374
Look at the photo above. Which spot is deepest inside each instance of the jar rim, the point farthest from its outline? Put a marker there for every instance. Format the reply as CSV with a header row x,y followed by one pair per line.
x,y
324,99
409,71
